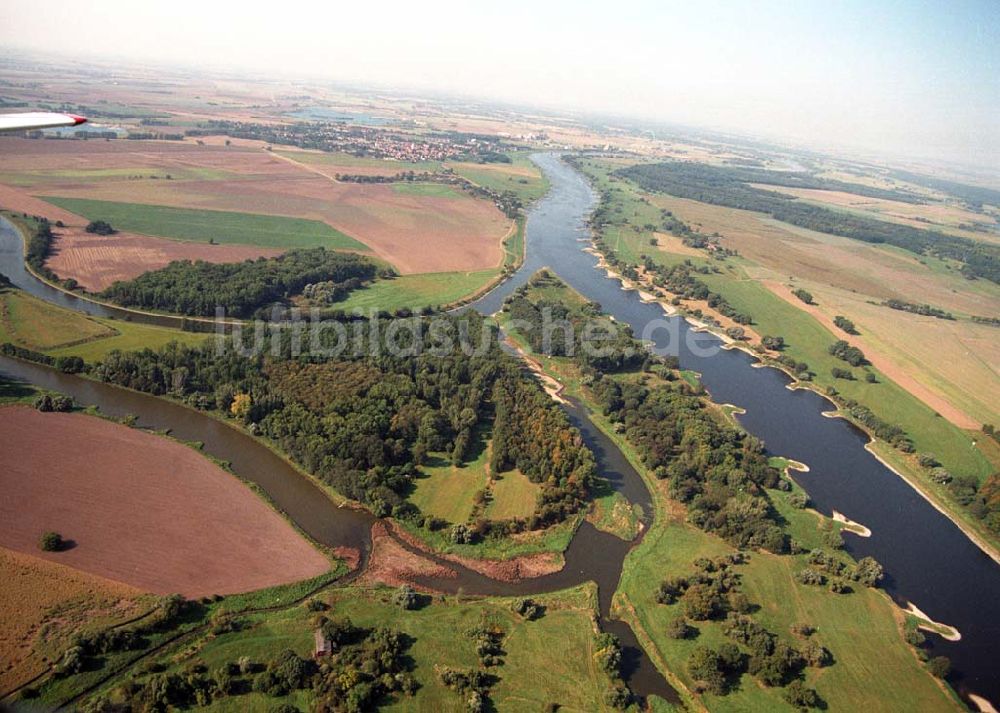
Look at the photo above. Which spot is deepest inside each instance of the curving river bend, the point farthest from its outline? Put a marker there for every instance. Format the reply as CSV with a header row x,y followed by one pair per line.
x,y
927,559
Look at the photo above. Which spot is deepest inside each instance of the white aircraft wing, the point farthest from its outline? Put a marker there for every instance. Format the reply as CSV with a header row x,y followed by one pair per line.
x,y
38,120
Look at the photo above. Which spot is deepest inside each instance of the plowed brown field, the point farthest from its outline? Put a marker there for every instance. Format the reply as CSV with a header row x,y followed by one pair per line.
x,y
140,509
415,233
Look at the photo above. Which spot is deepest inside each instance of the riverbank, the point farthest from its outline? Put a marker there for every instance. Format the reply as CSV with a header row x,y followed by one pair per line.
x,y
671,544
952,512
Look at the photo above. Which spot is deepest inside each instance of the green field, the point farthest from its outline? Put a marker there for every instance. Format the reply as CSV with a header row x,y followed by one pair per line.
x,y
90,175
35,324
224,227
808,341
512,495
447,491
433,190
417,291
520,176
547,660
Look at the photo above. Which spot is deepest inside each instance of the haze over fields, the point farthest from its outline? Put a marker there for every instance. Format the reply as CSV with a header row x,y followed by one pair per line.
x,y
893,77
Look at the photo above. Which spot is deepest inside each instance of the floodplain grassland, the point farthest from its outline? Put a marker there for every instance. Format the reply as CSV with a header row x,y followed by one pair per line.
x,y
448,491
223,227
512,495
32,323
44,604
865,672
549,660
739,281
415,292
874,671
520,176
808,340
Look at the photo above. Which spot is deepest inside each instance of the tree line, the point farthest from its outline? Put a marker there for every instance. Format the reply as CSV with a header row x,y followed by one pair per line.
x,y
730,187
242,288
366,424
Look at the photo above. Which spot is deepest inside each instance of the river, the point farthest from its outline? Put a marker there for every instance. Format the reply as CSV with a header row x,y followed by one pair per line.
x,y
928,560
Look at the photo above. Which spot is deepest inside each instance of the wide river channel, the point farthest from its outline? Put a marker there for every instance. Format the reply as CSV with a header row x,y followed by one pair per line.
x,y
927,559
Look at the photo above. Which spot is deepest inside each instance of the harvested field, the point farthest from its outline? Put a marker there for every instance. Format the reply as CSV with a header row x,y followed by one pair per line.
x,y
879,272
18,155
954,367
414,233
97,261
42,604
935,215
140,509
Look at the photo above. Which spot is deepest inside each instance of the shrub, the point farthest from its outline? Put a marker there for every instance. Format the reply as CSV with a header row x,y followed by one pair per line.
x,y
940,666
51,542
800,696
867,572
705,667
798,500
528,608
815,655
852,355
100,227
811,576
406,598
680,629
845,324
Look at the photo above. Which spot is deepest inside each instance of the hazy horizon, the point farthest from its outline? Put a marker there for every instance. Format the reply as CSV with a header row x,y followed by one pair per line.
x,y
913,79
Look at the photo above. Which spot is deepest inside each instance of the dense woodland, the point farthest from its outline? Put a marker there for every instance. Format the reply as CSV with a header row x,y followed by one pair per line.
x,y
730,187
552,328
719,471
244,288
365,425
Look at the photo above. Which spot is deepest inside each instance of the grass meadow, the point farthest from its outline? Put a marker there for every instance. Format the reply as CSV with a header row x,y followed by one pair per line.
x,y
415,292
223,227
35,324
549,660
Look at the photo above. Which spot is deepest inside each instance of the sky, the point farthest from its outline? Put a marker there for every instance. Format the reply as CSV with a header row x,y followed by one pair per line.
x,y
915,78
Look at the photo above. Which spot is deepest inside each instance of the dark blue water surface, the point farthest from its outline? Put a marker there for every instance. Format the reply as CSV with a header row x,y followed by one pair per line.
x,y
927,559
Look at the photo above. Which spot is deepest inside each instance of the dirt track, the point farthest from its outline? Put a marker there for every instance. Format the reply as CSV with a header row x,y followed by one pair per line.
x,y
140,508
